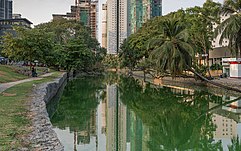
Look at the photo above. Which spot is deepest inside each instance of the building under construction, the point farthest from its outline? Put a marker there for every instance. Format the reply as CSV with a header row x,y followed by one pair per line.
x,y
85,11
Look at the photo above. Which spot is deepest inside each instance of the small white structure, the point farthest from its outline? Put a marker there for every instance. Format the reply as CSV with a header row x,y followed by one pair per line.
x,y
234,66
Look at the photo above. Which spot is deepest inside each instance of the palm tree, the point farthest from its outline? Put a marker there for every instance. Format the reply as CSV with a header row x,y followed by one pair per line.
x,y
231,27
172,50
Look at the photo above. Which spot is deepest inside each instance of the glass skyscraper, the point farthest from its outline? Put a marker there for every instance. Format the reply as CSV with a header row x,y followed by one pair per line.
x,y
6,9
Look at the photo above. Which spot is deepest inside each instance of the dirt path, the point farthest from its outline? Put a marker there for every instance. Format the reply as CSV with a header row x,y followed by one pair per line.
x,y
5,86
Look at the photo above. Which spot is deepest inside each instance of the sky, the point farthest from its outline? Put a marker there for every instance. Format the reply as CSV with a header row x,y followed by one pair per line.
x,y
39,11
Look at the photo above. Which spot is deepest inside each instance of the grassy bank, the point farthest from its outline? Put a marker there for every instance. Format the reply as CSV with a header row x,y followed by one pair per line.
x,y
14,113
9,74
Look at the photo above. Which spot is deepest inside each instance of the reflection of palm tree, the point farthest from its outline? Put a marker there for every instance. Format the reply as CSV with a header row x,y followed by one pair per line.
x,y
171,119
236,144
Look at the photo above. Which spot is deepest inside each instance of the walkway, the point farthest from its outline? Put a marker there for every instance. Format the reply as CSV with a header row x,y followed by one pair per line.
x,y
5,86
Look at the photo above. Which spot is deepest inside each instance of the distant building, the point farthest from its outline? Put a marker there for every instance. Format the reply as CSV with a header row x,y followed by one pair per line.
x,y
6,25
133,13
6,9
124,23
84,11
143,10
17,16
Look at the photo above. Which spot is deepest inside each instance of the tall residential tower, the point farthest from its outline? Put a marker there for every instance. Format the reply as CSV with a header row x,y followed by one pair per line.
x,y
132,14
6,9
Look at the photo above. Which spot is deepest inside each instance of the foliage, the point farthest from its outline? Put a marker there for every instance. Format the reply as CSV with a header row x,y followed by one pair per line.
x,y
216,67
77,105
236,144
28,45
231,27
61,43
172,50
111,61
172,119
170,43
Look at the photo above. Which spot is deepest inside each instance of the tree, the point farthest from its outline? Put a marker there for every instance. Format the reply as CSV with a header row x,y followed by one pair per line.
x,y
201,21
61,43
231,27
29,45
172,50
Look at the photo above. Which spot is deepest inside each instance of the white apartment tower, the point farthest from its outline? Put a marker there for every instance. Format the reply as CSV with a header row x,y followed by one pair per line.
x,y
112,24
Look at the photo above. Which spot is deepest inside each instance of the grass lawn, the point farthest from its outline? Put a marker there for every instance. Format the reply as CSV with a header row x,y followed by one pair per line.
x,y
8,74
14,121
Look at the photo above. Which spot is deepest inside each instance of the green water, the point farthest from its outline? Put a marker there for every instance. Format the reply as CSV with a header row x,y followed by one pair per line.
x,y
117,113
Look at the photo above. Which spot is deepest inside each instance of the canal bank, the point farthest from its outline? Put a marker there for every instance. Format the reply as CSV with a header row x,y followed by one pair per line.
x,y
192,83
42,136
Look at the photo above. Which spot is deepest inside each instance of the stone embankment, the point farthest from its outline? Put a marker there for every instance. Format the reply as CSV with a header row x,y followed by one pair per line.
x,y
194,84
43,137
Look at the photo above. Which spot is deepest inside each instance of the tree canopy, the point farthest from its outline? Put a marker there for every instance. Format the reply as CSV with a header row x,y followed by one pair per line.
x,y
61,43
170,43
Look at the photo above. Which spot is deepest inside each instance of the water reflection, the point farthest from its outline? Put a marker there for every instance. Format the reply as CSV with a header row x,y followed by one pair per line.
x,y
123,114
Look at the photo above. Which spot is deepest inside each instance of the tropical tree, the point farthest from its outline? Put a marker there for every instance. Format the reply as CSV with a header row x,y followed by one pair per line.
x,y
231,27
29,45
201,21
61,43
172,51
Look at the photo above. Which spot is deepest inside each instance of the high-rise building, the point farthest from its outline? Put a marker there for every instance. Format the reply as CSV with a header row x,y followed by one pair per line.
x,y
6,9
104,26
124,23
156,8
143,10
132,14
85,11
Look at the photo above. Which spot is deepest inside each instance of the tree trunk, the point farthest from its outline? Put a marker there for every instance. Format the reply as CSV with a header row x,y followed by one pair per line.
x,y
207,60
144,74
213,83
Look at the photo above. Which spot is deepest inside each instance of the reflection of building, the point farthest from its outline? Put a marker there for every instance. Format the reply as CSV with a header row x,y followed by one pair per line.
x,y
226,119
84,136
226,128
116,121
103,116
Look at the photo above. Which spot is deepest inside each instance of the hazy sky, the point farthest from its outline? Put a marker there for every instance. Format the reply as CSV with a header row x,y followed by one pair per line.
x,y
41,10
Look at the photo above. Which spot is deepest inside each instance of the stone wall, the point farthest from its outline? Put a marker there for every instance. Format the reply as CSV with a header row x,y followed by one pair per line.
x,y
43,137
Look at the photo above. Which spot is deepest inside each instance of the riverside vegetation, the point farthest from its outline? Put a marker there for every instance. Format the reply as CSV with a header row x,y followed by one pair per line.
x,y
166,45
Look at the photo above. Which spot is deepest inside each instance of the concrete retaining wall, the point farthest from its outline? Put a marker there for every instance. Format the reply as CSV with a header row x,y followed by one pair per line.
x,y
43,137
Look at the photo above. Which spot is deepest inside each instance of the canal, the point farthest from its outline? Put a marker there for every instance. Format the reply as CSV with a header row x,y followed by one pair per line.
x,y
115,113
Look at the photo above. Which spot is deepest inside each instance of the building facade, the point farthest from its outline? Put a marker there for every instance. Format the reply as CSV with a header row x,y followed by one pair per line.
x,y
6,9
85,11
104,26
6,25
124,23
133,13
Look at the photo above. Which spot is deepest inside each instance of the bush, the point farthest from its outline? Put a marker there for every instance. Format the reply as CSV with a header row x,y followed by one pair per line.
x,y
216,67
